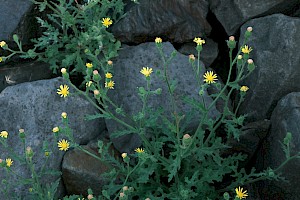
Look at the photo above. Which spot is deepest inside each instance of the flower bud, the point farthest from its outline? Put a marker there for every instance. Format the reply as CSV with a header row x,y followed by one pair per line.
x,y
226,196
90,196
55,129
251,66
158,91
124,155
64,115
186,140
248,33
96,93
122,194
147,199
29,152
192,58
22,133
125,188
63,70
109,62
47,153
231,43
96,76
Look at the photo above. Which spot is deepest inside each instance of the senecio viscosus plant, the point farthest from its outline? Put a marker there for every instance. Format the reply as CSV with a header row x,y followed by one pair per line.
x,y
173,162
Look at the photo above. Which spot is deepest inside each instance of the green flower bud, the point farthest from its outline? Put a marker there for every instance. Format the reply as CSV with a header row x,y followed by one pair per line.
x,y
226,196
251,65
158,91
231,43
186,140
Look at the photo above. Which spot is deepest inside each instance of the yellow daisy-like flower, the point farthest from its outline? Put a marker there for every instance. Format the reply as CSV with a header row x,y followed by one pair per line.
x,y
110,84
199,41
246,49
240,193
139,150
89,65
210,77
9,162
107,22
108,75
63,145
158,40
2,44
63,91
244,89
88,84
146,71
4,134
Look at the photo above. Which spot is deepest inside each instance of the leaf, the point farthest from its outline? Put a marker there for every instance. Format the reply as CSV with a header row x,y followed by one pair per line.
x,y
194,103
120,133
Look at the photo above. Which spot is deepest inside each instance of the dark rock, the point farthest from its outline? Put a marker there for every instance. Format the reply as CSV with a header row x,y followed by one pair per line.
x,y
208,54
24,72
285,118
233,14
128,77
81,171
174,20
16,17
251,137
37,108
276,56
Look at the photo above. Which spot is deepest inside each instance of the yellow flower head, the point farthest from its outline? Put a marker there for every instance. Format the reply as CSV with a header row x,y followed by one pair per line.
x,y
146,71
124,155
158,40
110,84
107,22
139,150
199,41
244,89
108,75
240,193
88,84
210,77
246,49
64,115
63,145
55,129
9,162
1,59
2,44
63,91
89,65
4,134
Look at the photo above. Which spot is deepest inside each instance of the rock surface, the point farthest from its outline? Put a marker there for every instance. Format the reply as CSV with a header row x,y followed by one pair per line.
x,y
232,14
37,108
275,42
285,118
173,20
128,77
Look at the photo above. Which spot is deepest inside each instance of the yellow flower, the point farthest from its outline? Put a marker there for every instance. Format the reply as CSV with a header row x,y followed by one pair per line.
x,y
110,84
55,129
146,71
2,44
108,75
124,155
240,193
139,150
4,134
210,77
158,40
63,145
107,22
1,59
244,89
64,115
199,41
89,65
88,84
63,91
9,162
246,49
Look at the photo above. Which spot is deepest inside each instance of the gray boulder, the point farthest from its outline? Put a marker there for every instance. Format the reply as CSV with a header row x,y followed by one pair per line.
x,y
275,42
232,14
128,78
37,108
285,118
176,20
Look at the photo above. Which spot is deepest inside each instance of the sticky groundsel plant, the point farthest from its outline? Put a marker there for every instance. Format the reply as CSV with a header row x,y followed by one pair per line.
x,y
173,162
